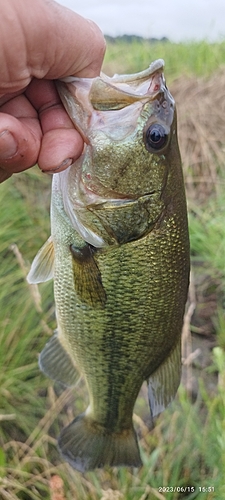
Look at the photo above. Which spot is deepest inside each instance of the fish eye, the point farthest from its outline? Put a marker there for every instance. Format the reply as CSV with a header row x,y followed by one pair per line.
x,y
156,137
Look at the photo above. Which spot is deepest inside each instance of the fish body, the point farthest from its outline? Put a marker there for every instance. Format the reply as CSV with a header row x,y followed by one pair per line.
x,y
119,252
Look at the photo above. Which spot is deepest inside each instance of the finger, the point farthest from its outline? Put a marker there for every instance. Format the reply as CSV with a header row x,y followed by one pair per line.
x,y
44,97
20,134
7,97
19,143
17,105
61,143
80,51
60,148
52,42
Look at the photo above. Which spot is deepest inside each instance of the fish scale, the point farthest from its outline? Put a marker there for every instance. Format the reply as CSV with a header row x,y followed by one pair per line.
x,y
119,283
119,254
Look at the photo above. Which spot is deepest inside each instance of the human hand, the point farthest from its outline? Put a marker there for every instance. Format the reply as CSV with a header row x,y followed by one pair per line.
x,y
41,41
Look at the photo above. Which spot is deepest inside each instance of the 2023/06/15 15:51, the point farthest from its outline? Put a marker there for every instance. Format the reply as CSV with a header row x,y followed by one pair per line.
x,y
185,489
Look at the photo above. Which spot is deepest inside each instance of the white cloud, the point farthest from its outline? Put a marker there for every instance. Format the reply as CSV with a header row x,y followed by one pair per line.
x,y
195,19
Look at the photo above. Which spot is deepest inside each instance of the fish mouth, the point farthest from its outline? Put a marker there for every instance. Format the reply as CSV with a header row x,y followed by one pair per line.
x,y
87,99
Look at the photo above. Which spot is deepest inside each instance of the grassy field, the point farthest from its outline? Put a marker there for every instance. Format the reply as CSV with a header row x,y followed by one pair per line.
x,y
186,449
196,58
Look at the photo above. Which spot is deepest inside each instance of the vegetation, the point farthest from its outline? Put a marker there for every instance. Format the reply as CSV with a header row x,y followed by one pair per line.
x,y
186,448
191,58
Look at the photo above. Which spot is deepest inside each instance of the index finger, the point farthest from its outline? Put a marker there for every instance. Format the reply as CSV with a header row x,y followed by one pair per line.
x,y
61,142
45,99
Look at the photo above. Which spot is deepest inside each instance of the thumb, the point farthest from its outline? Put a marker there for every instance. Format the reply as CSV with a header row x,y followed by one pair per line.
x,y
73,45
51,40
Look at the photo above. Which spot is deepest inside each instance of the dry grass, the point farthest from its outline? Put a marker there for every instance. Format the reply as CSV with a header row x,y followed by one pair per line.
x,y
201,131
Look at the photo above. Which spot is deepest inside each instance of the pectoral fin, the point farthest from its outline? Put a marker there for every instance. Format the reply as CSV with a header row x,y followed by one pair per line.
x,y
87,277
164,382
42,267
57,364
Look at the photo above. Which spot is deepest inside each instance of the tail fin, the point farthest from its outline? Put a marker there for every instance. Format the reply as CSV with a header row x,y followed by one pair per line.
x,y
86,445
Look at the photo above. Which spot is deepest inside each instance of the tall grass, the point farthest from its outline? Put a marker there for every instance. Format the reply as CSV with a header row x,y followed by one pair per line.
x,y
207,231
186,448
192,58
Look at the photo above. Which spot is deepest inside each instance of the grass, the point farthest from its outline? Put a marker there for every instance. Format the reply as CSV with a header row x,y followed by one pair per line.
x,y
189,59
186,449
207,231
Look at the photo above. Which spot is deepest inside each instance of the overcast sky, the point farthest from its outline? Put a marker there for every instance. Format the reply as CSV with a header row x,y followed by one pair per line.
x,y
176,19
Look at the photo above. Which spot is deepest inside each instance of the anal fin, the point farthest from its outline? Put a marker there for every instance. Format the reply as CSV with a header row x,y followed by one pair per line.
x,y
164,382
57,364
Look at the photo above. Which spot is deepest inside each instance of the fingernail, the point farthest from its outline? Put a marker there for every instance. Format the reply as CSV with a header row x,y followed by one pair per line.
x,y
8,145
65,164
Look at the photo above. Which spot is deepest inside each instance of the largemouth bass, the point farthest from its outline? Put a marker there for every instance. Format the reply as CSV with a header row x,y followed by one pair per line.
x,y
119,253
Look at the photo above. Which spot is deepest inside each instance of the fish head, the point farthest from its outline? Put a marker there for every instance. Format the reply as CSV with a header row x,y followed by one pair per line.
x,y
128,123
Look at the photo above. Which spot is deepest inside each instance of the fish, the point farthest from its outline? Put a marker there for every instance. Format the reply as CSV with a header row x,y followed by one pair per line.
x,y
119,256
